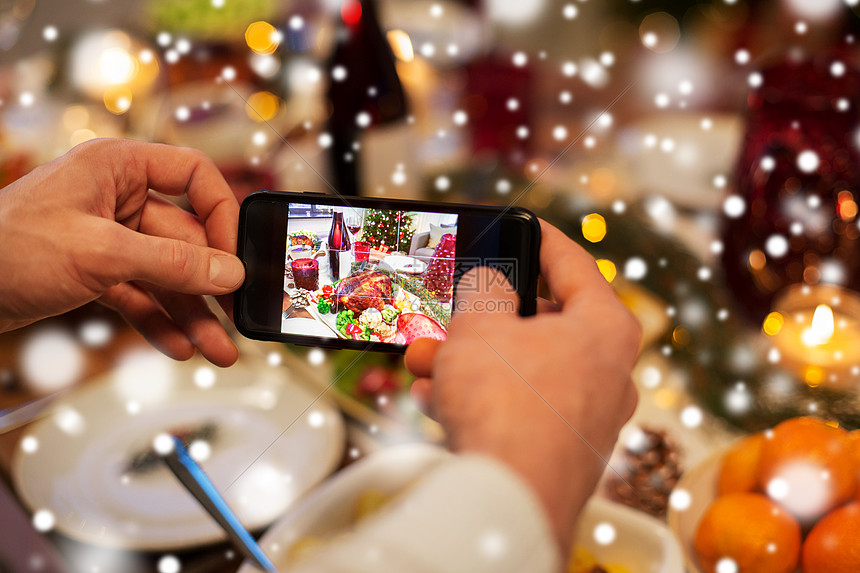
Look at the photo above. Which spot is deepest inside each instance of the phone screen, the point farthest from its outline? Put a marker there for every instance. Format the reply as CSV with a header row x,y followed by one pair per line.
x,y
371,273
366,274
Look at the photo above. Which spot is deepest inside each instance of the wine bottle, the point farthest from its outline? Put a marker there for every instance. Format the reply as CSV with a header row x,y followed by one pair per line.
x,y
338,243
790,217
370,150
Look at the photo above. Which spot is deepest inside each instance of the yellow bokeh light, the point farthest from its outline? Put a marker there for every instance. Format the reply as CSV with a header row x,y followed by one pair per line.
x,y
773,323
401,45
846,207
680,336
262,37
117,66
262,106
118,100
757,260
594,227
813,376
607,269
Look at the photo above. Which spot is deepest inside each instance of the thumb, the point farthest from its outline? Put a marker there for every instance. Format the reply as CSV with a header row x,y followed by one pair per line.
x,y
484,290
176,265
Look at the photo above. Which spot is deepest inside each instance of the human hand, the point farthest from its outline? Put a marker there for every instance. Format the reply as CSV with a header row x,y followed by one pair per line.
x,y
86,227
546,394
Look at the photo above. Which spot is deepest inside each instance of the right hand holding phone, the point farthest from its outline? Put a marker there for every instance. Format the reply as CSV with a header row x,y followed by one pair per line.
x,y
545,394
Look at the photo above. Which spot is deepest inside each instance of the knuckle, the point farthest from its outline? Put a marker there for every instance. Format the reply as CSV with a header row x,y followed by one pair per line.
x,y
120,299
97,145
197,157
182,258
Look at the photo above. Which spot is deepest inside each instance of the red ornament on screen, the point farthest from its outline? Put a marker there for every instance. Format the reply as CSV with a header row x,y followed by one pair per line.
x,y
439,276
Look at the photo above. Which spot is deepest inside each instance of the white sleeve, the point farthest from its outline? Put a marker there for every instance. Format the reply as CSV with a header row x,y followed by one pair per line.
x,y
470,513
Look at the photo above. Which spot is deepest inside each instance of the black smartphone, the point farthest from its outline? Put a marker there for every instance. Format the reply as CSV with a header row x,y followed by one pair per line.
x,y
362,273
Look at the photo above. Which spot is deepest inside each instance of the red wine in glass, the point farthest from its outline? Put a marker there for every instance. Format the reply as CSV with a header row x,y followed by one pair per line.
x,y
353,229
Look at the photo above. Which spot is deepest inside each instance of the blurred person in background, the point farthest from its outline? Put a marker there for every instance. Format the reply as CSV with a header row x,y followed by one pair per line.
x,y
531,406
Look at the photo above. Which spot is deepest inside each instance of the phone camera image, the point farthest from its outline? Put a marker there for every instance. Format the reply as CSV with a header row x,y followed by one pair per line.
x,y
375,274
365,274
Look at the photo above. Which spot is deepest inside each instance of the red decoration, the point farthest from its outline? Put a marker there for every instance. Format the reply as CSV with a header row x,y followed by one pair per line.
x,y
377,381
350,11
439,276
801,111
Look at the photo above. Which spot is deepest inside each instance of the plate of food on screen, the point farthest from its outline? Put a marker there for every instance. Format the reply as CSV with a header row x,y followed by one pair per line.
x,y
303,244
378,306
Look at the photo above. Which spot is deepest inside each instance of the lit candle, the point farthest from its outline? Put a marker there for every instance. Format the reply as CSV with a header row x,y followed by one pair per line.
x,y
822,328
816,331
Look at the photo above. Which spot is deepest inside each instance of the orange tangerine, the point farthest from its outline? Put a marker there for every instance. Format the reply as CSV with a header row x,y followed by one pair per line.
x,y
854,446
750,531
738,472
832,545
807,467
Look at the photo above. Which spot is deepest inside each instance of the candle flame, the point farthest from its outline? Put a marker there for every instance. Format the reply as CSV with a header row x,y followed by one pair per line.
x,y
822,326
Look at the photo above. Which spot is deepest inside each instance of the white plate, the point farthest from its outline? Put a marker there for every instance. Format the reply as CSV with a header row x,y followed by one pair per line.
x,y
402,264
642,543
300,252
306,326
259,459
330,508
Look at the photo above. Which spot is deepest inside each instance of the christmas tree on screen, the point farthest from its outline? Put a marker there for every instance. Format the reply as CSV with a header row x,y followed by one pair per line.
x,y
388,229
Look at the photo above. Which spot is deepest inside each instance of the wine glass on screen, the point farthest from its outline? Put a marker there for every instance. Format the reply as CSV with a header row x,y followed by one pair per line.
x,y
353,221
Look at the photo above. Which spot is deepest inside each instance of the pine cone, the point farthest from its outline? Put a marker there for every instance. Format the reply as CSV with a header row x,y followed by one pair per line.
x,y
652,467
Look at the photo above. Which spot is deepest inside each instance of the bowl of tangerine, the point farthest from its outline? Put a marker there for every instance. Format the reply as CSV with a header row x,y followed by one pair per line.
x,y
785,500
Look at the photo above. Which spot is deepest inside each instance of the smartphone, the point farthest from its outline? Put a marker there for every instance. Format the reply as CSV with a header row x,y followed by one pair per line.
x,y
375,274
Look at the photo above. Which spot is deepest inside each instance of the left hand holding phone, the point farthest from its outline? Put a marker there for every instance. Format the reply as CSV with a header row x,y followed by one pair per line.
x,y
86,227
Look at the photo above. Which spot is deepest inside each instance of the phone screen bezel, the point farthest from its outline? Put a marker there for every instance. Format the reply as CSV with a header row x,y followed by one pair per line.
x,y
262,237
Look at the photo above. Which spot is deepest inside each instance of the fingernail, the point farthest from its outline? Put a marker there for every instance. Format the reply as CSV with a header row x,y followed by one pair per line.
x,y
225,271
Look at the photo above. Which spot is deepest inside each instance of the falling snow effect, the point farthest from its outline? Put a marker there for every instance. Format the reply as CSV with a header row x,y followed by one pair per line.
x,y
51,359
579,77
635,269
44,520
169,564
604,533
